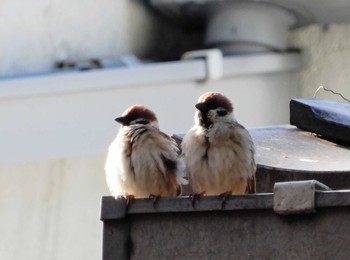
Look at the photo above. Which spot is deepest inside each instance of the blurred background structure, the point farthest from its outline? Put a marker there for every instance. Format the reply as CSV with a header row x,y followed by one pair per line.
x,y
68,68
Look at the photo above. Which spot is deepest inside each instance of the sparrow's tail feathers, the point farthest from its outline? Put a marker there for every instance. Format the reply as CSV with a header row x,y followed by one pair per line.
x,y
180,175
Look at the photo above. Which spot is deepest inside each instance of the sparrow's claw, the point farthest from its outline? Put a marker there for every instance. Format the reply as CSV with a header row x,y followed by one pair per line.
x,y
224,196
155,199
129,198
196,196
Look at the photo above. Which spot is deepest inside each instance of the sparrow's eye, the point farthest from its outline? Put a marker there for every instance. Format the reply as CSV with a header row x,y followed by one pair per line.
x,y
221,112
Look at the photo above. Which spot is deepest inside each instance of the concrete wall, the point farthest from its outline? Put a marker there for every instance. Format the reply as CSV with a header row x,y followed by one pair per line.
x,y
54,146
50,209
328,48
49,188
36,34
49,203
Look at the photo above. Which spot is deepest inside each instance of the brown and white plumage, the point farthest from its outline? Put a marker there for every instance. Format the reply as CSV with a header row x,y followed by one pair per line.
x,y
142,160
218,151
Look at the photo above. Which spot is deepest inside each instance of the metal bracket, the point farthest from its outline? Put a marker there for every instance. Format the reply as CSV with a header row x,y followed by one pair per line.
x,y
296,197
213,61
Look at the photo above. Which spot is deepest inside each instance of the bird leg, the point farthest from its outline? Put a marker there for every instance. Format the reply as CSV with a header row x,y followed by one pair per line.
x,y
129,198
155,199
196,196
224,196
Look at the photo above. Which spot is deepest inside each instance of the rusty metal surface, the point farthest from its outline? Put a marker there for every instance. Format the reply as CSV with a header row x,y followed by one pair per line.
x,y
287,147
266,178
286,153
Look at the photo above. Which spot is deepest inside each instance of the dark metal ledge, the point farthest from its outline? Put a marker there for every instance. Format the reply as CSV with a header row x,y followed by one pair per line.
x,y
244,227
116,208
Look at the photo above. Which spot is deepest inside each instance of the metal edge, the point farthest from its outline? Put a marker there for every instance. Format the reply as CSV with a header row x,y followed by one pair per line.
x,y
110,208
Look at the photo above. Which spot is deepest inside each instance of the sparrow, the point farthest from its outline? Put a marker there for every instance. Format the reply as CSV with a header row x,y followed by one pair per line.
x,y
218,151
142,161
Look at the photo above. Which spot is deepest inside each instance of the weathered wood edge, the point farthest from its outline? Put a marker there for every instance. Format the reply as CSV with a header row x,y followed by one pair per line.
x,y
116,208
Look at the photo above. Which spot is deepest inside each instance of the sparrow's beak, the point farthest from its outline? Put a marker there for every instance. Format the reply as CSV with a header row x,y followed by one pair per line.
x,y
202,107
121,120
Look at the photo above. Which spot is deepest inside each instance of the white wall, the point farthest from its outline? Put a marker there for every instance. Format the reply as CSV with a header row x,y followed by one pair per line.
x,y
45,126
50,209
54,146
36,34
49,198
328,48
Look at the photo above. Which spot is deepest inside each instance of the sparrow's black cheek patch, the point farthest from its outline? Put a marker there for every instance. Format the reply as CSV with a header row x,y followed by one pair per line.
x,y
204,120
170,165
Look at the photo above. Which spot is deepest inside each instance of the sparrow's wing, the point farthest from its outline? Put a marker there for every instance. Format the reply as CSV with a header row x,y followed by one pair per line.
x,y
170,142
171,160
155,154
251,185
241,137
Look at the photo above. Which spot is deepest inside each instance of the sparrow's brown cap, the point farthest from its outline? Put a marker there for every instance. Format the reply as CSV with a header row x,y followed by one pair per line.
x,y
213,100
138,113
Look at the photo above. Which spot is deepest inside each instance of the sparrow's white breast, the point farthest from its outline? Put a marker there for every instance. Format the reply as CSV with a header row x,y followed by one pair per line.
x,y
219,159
